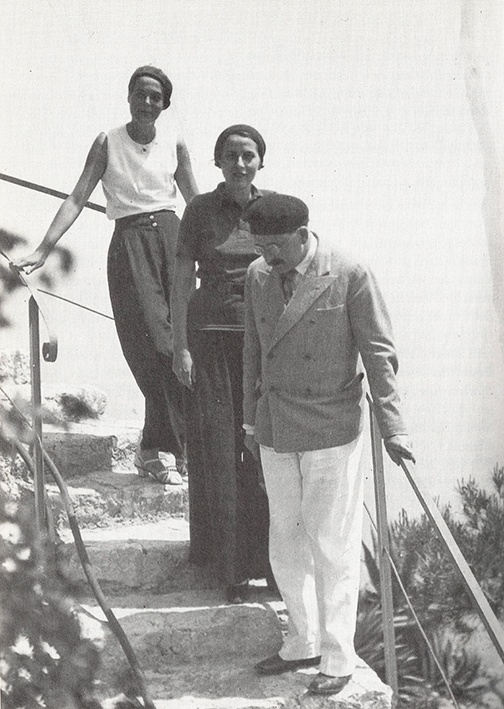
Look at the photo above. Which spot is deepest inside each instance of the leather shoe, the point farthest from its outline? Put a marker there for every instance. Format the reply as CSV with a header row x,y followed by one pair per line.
x,y
275,664
326,684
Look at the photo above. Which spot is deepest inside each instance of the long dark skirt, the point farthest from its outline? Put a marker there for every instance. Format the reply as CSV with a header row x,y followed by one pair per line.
x,y
140,271
228,511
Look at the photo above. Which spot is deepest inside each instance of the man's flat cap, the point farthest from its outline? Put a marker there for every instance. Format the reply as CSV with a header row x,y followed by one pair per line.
x,y
276,214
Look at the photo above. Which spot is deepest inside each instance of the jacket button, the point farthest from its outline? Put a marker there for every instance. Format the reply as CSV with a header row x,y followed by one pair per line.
x,y
151,216
154,223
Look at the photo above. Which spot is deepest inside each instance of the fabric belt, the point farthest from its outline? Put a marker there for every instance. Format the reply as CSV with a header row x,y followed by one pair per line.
x,y
141,219
224,288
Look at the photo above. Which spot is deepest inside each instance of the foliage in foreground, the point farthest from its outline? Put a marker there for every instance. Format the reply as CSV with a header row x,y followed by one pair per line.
x,y
432,581
45,659
439,598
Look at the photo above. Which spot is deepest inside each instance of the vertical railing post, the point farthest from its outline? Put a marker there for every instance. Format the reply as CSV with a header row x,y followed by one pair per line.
x,y
387,603
36,403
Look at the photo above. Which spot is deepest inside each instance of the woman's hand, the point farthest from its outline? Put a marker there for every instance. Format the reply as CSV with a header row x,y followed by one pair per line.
x,y
30,263
183,367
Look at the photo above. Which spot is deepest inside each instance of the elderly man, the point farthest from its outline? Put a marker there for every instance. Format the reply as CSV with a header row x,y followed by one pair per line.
x,y
314,320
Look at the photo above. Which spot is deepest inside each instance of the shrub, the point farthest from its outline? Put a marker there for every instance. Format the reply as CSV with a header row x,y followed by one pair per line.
x,y
438,596
428,574
45,660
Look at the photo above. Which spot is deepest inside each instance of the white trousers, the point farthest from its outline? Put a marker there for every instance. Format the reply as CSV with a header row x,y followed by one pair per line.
x,y
315,501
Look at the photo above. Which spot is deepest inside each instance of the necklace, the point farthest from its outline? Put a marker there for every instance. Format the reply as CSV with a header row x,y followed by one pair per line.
x,y
143,147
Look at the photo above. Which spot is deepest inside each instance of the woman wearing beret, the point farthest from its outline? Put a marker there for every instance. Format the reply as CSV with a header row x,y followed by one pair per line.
x,y
140,164
228,509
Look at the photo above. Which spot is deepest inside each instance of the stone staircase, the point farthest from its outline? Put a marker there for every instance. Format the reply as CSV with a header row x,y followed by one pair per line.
x,y
196,651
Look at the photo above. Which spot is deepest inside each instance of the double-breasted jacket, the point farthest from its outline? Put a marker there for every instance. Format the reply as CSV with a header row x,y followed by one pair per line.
x,y
304,363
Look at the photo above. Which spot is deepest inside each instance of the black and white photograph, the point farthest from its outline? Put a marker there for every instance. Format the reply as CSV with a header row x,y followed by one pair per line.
x,y
252,354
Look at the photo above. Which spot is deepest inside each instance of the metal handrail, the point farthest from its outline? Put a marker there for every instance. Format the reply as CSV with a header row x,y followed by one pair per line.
x,y
415,617
478,599
36,413
46,190
384,555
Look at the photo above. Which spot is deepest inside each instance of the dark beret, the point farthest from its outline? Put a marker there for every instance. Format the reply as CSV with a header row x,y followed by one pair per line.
x,y
276,214
239,129
155,73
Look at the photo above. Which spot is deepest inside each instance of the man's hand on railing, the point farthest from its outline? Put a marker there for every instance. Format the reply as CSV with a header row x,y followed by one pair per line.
x,y
398,447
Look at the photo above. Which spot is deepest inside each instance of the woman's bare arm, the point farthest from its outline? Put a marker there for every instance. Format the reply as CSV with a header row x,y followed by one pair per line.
x,y
183,174
95,165
183,285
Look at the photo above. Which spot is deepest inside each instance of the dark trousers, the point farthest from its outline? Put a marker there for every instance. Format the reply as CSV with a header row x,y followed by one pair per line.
x,y
140,271
228,511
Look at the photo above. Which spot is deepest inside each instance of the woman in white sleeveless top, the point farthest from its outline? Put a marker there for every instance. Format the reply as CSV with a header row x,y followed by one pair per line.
x,y
140,164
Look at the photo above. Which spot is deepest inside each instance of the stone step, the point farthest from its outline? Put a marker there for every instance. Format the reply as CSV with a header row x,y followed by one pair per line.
x,y
81,448
105,497
185,628
235,685
147,557
197,653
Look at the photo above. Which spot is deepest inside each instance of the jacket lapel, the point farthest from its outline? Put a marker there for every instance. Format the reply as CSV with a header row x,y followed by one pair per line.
x,y
315,281
271,294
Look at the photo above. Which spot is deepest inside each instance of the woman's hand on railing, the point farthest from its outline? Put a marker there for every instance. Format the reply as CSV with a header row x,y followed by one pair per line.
x,y
398,447
183,367
30,263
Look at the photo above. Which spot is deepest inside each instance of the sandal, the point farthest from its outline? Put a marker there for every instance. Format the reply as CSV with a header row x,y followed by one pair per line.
x,y
154,468
182,467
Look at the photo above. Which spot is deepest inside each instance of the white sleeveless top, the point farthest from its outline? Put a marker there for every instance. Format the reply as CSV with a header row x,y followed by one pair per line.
x,y
140,178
